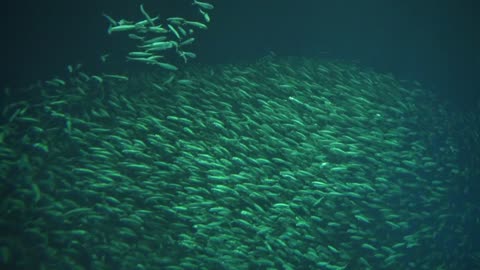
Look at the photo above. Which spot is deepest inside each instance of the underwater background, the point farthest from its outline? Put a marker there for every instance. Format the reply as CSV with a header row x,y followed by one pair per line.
x,y
239,135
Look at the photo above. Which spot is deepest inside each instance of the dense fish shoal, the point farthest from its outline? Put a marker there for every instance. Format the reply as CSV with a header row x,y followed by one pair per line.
x,y
286,163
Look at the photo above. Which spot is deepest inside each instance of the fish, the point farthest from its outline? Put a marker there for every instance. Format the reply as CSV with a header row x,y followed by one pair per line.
x,y
205,15
167,66
149,19
203,5
112,21
196,24
121,28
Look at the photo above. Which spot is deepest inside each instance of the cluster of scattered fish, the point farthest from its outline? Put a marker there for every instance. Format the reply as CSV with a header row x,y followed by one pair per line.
x,y
282,164
156,39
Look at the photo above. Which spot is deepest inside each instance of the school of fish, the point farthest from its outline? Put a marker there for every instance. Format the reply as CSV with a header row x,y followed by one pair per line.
x,y
287,163
156,39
